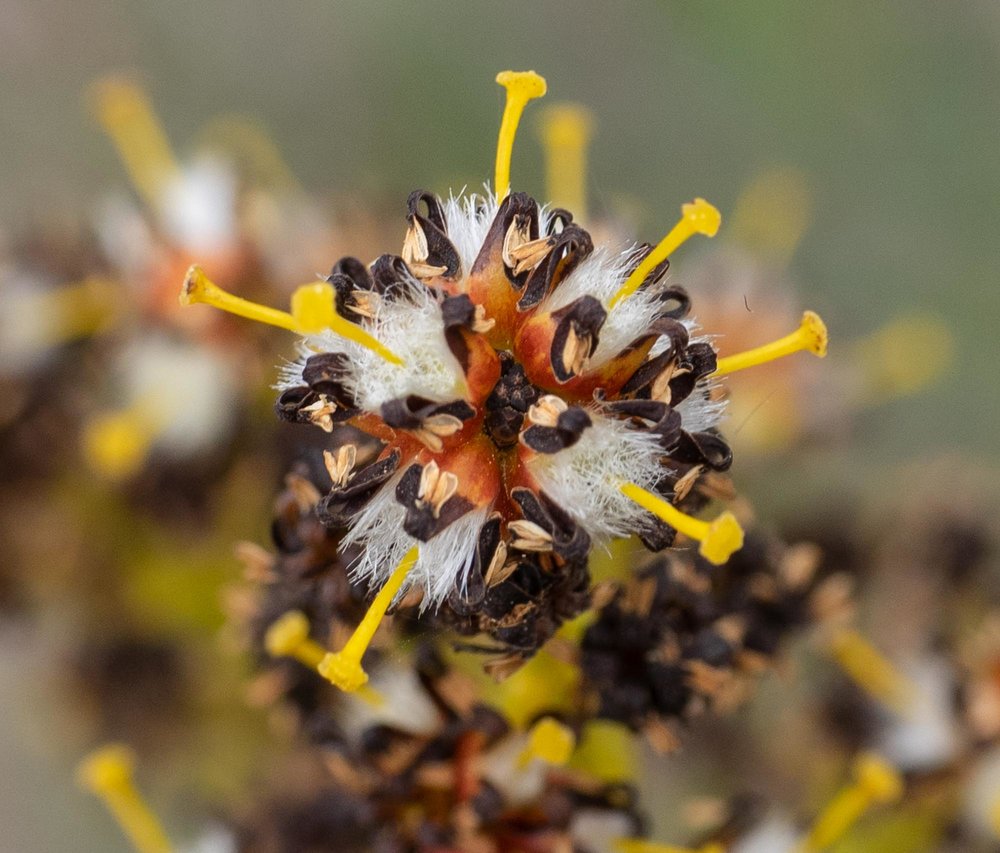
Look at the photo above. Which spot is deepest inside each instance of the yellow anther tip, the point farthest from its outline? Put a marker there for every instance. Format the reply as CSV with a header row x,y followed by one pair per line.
x,y
287,634
878,778
342,672
704,217
814,329
107,768
723,539
526,84
194,287
551,741
567,124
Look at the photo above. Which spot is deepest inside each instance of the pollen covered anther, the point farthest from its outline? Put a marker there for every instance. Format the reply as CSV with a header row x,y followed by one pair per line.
x,y
343,668
811,335
109,773
521,87
549,741
697,217
719,538
313,310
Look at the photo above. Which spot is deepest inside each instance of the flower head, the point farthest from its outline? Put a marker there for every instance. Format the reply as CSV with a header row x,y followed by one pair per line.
x,y
533,395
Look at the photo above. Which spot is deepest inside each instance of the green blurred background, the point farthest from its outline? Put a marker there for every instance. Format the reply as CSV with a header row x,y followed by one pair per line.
x,y
890,110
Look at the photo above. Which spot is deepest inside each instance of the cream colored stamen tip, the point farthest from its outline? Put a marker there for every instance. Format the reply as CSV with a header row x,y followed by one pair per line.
x,y
285,635
879,779
815,330
552,741
703,216
723,539
527,84
342,672
194,286
107,768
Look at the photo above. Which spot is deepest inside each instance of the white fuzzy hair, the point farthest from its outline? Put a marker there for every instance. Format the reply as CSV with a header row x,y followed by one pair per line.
x,y
600,275
444,561
469,218
411,327
584,479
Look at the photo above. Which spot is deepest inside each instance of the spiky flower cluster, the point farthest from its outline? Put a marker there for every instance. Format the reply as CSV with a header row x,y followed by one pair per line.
x,y
530,395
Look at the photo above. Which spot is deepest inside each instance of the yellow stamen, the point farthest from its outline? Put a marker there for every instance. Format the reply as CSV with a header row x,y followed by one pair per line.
x,y
549,741
109,773
343,668
641,845
313,310
128,118
289,637
606,751
810,335
994,817
116,444
79,309
719,538
870,670
566,131
698,217
521,87
876,782
246,140
772,213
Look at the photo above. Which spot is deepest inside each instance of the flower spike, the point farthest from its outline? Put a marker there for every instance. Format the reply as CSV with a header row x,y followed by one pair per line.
x,y
343,668
128,118
875,781
521,87
719,538
289,637
313,310
109,773
867,667
549,741
697,217
811,335
565,131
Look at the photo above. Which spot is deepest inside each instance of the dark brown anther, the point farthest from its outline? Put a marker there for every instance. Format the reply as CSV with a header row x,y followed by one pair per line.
x,y
575,337
428,421
355,271
491,553
339,507
325,374
391,277
655,274
651,415
509,402
429,496
427,249
554,425
559,218
675,303
568,248
703,448
516,223
546,527
291,402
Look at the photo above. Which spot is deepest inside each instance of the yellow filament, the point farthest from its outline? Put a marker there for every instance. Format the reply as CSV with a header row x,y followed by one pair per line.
x,y
108,773
246,140
870,670
128,118
697,217
994,817
566,131
606,751
719,538
343,668
875,781
521,87
549,741
289,637
811,335
641,845
116,444
313,310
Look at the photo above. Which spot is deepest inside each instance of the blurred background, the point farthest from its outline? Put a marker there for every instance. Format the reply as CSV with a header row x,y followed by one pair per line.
x,y
868,132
